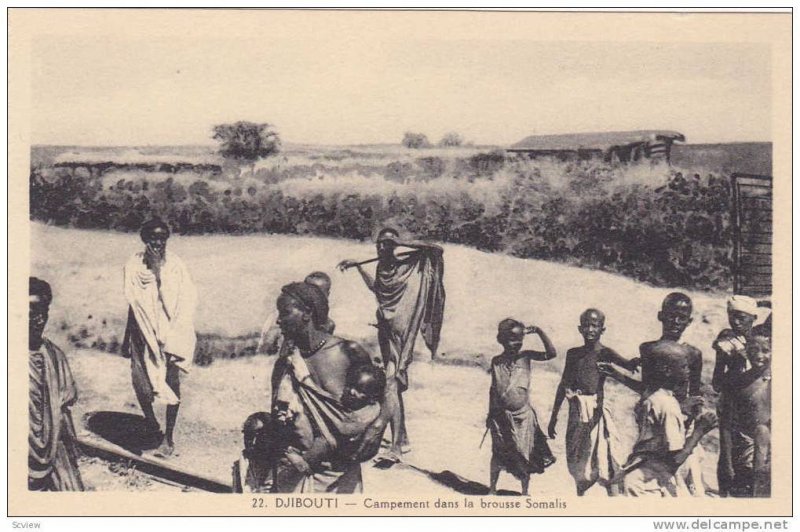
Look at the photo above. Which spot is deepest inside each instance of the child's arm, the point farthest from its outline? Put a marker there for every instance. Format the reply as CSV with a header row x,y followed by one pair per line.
x,y
549,349
703,424
309,460
607,369
720,365
695,371
615,358
561,393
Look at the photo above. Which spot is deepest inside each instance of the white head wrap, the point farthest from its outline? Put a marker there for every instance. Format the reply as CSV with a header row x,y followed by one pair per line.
x,y
745,304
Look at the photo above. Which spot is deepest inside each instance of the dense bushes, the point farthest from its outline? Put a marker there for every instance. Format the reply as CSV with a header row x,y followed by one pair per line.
x,y
668,229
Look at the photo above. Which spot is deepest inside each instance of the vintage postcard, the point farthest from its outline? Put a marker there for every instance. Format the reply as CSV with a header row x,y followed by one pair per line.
x,y
387,263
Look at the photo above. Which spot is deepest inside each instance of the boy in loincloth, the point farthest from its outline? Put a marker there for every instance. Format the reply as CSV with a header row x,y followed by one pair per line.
x,y
518,444
590,439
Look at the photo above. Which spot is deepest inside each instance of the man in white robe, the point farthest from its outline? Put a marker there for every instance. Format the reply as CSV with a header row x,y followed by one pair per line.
x,y
159,337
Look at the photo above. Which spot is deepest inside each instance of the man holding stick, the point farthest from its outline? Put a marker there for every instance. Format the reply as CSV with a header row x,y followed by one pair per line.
x,y
410,293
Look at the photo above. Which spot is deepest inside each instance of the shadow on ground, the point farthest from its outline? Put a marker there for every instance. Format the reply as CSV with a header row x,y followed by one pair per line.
x,y
129,431
458,483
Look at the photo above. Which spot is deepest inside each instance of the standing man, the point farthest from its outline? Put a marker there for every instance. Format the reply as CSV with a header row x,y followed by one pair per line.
x,y
410,292
52,445
160,336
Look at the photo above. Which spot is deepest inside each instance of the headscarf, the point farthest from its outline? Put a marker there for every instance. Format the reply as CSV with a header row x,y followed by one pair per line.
x,y
745,304
311,298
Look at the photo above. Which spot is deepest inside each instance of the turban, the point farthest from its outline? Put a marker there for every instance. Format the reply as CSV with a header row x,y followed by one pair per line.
x,y
745,304
150,227
311,298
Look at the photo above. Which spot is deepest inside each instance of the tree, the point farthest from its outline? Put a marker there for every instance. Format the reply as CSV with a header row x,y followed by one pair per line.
x,y
416,140
451,139
247,141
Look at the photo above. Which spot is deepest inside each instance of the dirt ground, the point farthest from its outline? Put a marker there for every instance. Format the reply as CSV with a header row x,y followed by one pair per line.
x,y
446,408
238,278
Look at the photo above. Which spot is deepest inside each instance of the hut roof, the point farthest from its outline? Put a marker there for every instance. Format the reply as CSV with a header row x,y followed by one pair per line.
x,y
134,156
592,141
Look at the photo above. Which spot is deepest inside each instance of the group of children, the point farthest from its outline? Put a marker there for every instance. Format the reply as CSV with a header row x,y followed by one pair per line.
x,y
671,414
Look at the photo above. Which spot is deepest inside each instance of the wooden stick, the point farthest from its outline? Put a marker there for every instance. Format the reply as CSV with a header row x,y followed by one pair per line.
x,y
363,262
106,450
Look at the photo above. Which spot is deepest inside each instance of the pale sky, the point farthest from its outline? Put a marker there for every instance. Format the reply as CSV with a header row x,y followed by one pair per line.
x,y
110,90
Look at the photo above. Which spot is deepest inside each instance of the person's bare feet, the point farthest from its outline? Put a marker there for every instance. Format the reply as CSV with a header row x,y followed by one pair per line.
x,y
387,460
165,450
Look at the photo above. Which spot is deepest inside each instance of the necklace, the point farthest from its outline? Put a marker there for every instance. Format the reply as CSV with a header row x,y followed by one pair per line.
x,y
317,348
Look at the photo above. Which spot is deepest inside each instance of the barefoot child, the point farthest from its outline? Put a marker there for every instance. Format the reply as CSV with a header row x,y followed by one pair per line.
x,y
663,444
518,444
750,422
590,438
252,471
685,363
731,349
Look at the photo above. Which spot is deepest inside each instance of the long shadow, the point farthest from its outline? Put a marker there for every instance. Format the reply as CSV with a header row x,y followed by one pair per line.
x,y
129,431
458,483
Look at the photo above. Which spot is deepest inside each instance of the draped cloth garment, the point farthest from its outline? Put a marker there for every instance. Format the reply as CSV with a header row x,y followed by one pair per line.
x,y
518,444
320,414
52,446
591,442
160,322
411,298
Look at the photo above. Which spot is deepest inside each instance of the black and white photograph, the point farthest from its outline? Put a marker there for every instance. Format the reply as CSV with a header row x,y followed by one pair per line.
x,y
436,263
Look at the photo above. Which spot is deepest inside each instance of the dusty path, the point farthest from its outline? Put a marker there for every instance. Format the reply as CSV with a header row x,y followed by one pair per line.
x,y
238,275
446,411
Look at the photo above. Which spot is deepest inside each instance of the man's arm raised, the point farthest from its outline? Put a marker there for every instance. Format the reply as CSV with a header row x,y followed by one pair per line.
x,y
368,280
422,246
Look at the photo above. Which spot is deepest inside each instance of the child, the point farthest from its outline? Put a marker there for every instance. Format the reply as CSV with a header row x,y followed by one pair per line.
x,y
663,444
365,386
251,473
731,349
750,422
686,365
518,444
590,438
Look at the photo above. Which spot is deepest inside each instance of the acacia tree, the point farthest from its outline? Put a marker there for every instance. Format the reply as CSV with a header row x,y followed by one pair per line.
x,y
415,140
247,141
451,139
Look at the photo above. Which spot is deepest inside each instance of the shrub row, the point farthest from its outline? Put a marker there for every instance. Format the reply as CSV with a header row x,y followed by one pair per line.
x,y
675,232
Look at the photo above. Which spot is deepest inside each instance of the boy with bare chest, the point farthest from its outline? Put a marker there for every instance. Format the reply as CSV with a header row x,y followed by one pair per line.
x,y
590,438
